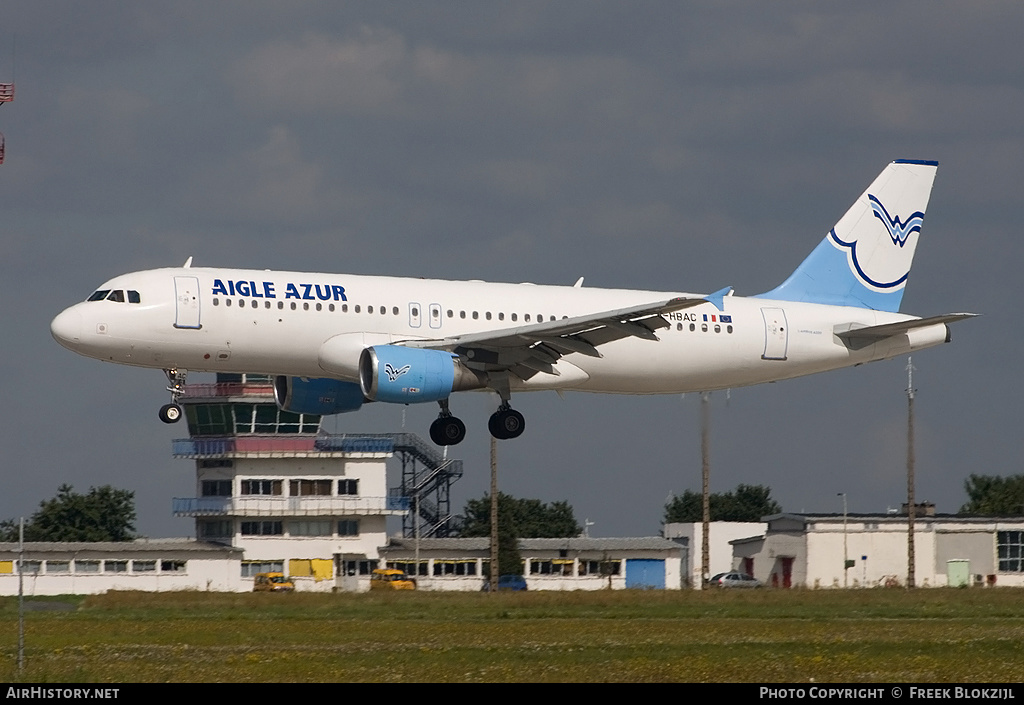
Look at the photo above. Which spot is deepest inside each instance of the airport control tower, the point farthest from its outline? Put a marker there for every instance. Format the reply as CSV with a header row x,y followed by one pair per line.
x,y
297,500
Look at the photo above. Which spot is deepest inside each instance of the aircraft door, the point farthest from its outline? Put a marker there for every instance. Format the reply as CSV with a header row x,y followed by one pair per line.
x,y
186,296
435,315
415,319
776,334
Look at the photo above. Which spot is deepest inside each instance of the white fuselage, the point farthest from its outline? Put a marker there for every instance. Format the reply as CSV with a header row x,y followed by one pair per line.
x,y
249,321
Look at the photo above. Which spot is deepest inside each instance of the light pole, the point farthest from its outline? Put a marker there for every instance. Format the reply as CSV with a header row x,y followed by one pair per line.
x,y
846,559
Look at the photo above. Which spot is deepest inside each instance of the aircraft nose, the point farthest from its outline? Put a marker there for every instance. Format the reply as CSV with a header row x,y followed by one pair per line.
x,y
66,328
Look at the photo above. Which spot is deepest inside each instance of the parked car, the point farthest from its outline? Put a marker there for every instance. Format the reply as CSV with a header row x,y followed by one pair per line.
x,y
515,583
272,582
391,579
734,580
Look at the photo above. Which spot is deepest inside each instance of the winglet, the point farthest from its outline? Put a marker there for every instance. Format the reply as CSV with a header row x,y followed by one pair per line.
x,y
717,297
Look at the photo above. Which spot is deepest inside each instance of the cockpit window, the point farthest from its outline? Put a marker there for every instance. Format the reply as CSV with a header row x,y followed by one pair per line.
x,y
99,295
133,297
116,295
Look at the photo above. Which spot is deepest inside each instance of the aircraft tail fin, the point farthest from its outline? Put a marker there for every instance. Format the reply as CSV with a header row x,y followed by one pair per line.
x,y
865,259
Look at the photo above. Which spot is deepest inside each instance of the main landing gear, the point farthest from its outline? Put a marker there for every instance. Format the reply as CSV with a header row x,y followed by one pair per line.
x,y
504,424
171,413
447,430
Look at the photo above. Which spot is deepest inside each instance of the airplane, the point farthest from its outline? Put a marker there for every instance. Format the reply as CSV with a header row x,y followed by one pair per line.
x,y
336,341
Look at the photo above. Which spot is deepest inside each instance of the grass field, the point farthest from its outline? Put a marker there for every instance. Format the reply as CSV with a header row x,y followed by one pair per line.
x,y
934,635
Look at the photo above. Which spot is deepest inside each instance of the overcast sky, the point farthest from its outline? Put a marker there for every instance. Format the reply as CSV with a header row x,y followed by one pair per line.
x,y
678,146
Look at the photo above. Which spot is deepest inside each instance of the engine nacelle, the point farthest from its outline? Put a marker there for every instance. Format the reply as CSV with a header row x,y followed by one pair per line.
x,y
317,396
400,375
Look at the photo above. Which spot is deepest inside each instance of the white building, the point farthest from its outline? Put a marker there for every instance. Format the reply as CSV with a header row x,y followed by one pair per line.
x,y
690,535
548,564
311,505
152,565
809,550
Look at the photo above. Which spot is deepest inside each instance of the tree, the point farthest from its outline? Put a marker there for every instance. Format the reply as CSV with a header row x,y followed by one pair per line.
x,y
530,518
746,503
103,514
517,518
992,495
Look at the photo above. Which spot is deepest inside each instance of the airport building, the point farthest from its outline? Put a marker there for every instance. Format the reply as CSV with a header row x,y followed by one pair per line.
x,y
275,493
810,550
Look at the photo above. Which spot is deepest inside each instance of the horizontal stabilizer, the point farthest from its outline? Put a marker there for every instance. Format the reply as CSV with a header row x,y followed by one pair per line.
x,y
887,330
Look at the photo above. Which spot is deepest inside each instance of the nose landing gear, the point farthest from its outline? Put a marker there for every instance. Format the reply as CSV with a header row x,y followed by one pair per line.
x,y
171,413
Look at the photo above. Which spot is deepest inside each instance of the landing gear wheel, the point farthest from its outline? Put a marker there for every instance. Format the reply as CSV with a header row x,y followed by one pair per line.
x,y
170,413
506,423
447,431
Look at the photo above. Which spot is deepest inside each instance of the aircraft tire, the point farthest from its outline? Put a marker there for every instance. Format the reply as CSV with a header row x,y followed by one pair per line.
x,y
506,424
447,431
170,413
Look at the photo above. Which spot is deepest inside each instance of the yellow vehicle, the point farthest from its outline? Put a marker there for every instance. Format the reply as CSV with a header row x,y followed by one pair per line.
x,y
391,579
272,582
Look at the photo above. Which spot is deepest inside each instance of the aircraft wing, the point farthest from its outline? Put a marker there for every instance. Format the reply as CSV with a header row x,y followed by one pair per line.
x,y
887,330
527,350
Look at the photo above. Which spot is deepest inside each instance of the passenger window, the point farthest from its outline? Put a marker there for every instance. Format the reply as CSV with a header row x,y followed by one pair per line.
x,y
133,297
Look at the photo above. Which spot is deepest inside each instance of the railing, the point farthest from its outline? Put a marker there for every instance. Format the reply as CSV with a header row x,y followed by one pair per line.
x,y
286,506
192,447
6,92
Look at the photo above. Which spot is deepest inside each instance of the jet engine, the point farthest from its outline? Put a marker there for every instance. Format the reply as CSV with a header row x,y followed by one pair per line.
x,y
400,375
317,396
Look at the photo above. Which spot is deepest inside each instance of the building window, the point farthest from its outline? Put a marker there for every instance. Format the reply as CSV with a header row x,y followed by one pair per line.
x,y
115,566
442,568
172,566
262,528
558,566
215,529
216,488
87,566
360,567
251,568
58,566
309,488
409,567
309,528
1010,547
31,567
266,487
348,486
143,566
600,567
348,527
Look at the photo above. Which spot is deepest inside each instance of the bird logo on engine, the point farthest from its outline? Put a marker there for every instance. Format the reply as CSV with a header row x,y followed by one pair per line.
x,y
394,374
